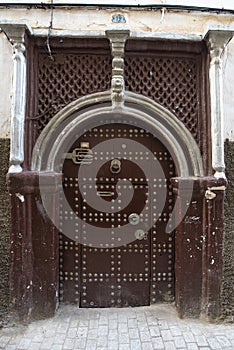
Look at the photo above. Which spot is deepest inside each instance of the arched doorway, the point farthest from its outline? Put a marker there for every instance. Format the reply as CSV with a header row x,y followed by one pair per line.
x,y
140,270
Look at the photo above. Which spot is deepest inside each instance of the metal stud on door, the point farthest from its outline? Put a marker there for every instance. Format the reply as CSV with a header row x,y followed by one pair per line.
x,y
111,273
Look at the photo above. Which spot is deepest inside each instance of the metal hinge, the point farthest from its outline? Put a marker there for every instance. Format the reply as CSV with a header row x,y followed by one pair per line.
x,y
82,155
209,194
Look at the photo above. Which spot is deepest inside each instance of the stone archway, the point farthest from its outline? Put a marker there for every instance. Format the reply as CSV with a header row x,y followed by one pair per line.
x,y
143,112
56,140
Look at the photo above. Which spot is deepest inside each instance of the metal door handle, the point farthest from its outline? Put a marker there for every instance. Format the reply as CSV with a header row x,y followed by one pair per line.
x,y
105,193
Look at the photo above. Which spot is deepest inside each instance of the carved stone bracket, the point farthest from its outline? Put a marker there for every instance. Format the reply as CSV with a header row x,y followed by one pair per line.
x,y
217,40
15,33
117,39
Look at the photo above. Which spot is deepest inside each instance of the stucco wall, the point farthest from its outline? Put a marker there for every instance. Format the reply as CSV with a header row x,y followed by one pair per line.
x,y
6,68
5,105
144,21
228,278
229,92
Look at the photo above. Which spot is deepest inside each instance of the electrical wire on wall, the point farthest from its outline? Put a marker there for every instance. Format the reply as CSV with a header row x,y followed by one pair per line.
x,y
49,31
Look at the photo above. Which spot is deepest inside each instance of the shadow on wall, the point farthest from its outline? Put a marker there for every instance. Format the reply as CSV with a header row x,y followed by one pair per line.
x,y
4,230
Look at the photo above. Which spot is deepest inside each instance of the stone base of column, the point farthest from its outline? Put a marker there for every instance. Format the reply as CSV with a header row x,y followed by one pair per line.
x,y
199,239
34,246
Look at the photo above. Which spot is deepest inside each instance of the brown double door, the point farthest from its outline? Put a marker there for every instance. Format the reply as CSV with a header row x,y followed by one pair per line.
x,y
116,252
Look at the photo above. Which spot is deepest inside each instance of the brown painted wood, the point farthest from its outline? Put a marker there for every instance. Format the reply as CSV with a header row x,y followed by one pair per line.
x,y
199,237
128,275
34,246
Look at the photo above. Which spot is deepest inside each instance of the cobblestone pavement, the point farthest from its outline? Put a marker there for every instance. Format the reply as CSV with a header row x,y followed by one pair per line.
x,y
143,328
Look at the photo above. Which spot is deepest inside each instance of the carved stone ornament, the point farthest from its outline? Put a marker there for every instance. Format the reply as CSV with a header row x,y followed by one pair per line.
x,y
15,33
217,40
117,39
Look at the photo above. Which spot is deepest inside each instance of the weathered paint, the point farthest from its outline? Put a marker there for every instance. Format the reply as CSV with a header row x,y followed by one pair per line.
x,y
6,69
97,19
4,228
229,92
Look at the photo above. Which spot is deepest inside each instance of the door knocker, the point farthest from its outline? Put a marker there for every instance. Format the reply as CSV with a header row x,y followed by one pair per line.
x,y
115,166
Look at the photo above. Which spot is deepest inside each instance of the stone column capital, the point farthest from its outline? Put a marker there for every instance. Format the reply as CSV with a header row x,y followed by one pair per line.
x,y
217,40
15,31
117,38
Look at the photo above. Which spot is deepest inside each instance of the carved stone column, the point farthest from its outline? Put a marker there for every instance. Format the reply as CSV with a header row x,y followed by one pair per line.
x,y
117,39
217,41
16,35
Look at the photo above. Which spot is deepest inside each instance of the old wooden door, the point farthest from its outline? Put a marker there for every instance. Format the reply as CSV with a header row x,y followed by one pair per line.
x,y
119,253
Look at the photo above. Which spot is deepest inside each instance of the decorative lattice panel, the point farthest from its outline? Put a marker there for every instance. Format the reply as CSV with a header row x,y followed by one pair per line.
x,y
66,79
170,81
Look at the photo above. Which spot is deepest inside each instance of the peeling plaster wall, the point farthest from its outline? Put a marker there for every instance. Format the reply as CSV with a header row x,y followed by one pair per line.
x,y
228,277
229,92
97,19
6,68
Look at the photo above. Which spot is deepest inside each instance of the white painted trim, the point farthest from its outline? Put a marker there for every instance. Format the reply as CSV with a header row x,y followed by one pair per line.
x,y
15,34
217,42
18,109
134,34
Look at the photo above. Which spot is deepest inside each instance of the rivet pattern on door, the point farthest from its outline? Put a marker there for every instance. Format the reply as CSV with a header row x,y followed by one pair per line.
x,y
138,273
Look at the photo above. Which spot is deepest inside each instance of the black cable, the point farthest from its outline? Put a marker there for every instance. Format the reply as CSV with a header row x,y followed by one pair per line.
x,y
49,31
158,6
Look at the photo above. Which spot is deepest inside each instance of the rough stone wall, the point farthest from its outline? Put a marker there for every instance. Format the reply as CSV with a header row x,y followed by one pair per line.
x,y
4,229
228,278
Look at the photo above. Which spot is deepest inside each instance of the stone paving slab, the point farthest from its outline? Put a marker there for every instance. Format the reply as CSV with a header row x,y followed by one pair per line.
x,y
143,328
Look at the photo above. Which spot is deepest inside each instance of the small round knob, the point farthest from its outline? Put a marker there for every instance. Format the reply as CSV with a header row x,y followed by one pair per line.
x,y
134,219
140,234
